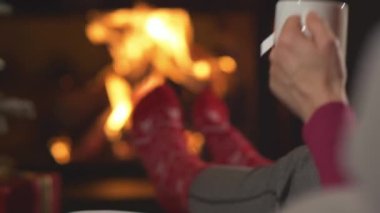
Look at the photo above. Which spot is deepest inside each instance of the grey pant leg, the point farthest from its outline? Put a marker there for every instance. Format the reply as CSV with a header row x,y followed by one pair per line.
x,y
225,189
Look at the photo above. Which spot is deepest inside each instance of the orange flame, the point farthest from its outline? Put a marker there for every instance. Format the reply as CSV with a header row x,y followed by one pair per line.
x,y
60,149
202,69
195,142
119,93
148,45
227,64
142,37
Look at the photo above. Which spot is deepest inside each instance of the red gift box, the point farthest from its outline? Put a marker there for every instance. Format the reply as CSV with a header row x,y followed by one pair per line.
x,y
18,195
31,193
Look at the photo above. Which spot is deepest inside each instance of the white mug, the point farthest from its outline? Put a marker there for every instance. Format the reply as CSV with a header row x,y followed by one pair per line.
x,y
335,13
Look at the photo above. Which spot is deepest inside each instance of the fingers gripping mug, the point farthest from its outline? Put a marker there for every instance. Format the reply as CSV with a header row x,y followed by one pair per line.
x,y
335,13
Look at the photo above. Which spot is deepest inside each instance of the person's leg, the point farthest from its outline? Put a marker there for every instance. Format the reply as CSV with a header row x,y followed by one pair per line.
x,y
242,189
225,143
184,182
160,143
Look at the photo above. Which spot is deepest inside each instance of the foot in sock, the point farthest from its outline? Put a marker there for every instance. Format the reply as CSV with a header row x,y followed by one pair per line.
x,y
160,143
225,143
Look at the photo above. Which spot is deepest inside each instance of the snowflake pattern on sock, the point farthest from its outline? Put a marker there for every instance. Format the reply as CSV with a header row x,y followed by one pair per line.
x,y
225,143
160,142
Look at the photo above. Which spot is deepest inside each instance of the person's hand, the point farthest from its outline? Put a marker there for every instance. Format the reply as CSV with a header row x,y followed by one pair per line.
x,y
307,71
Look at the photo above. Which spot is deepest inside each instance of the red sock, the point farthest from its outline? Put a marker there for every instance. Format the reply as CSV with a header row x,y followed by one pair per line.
x,y
225,143
160,143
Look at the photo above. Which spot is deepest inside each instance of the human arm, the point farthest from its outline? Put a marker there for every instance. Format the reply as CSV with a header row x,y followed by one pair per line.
x,y
324,135
307,71
308,75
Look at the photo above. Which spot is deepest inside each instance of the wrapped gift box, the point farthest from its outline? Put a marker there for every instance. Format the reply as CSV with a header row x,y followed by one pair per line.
x,y
30,193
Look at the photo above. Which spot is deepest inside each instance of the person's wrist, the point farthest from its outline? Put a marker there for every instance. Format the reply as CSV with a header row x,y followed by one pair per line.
x,y
322,101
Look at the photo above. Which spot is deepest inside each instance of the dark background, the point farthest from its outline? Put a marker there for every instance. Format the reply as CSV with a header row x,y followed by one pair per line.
x,y
266,122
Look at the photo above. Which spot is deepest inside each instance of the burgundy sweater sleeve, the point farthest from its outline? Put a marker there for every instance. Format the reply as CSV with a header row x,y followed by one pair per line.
x,y
323,134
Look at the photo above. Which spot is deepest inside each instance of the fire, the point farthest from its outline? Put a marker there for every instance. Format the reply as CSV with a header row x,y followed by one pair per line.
x,y
202,69
147,85
171,32
142,37
97,33
195,142
60,149
147,46
227,64
119,93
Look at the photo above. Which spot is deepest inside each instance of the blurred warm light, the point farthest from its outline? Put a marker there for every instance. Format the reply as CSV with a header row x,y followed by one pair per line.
x,y
122,151
119,17
172,34
60,149
115,122
144,38
130,55
119,93
227,64
140,39
96,33
157,30
148,45
150,83
112,189
202,70
195,142
118,90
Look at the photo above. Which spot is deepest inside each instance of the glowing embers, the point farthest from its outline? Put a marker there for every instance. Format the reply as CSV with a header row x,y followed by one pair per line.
x,y
195,142
227,64
60,149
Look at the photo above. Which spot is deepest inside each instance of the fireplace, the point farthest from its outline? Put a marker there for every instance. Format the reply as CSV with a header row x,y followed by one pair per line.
x,y
81,86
